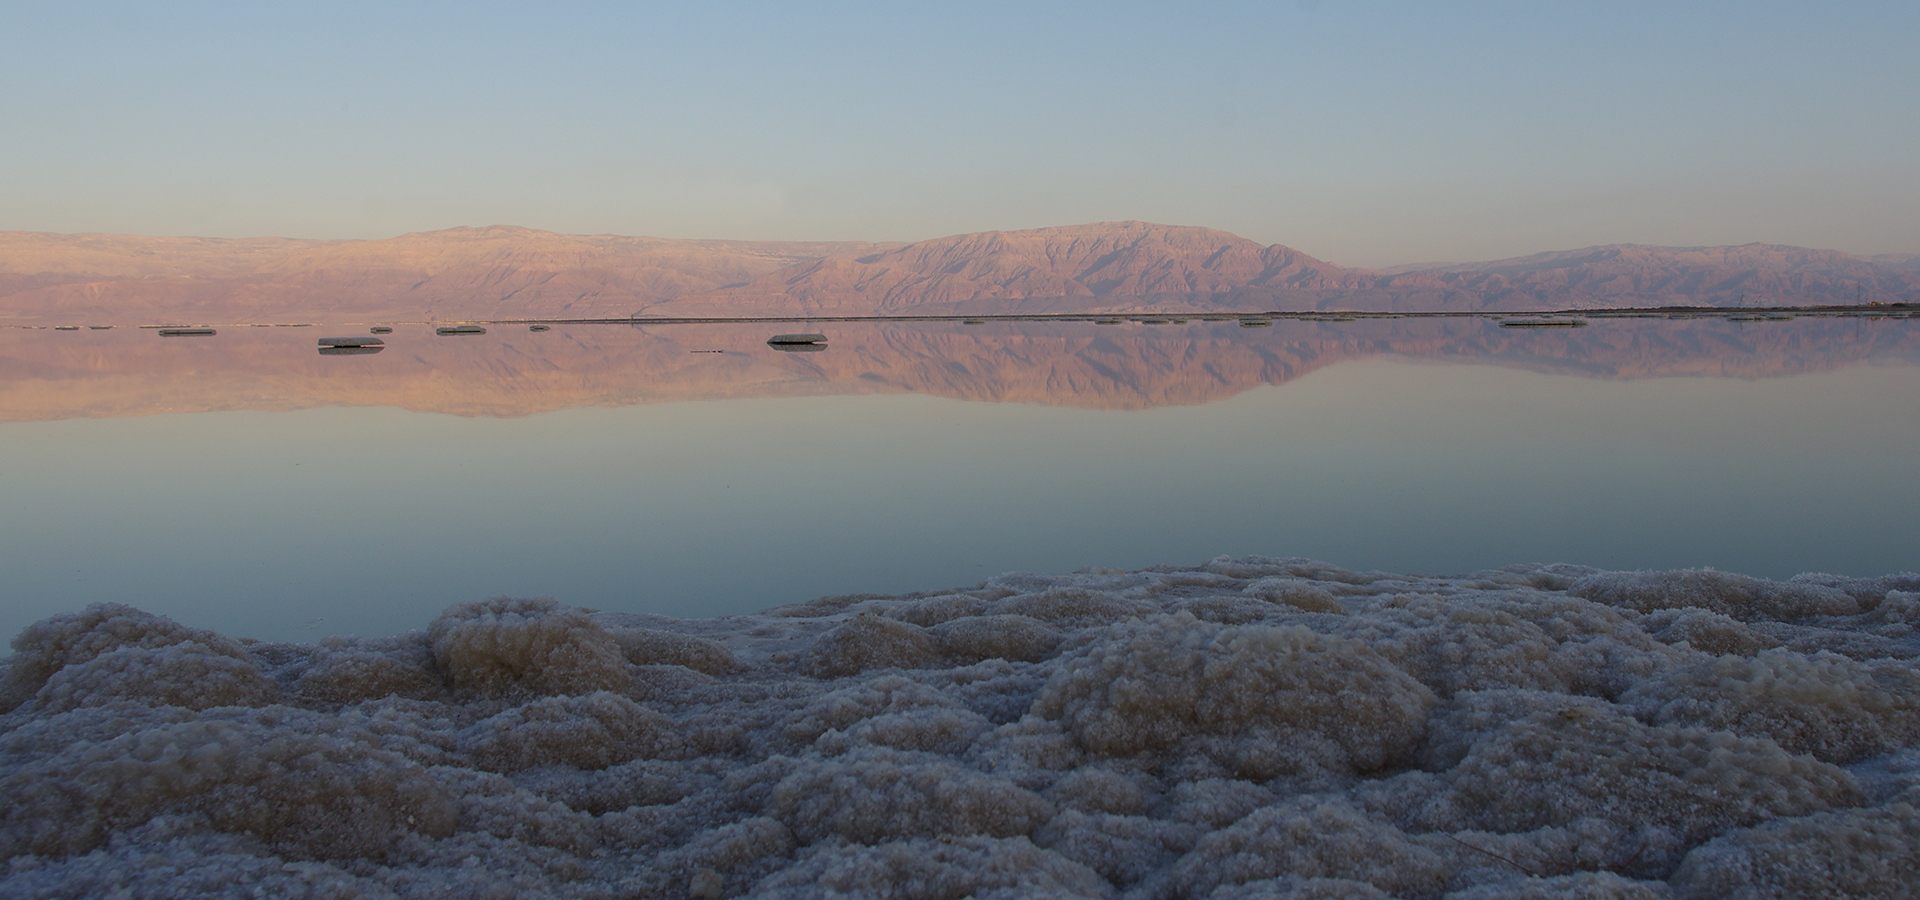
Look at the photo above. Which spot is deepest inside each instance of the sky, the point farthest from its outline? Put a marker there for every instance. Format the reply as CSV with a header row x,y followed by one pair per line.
x,y
1362,133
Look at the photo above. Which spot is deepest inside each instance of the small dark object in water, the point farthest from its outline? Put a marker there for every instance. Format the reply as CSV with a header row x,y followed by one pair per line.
x,y
539,327
66,328
1153,320
98,327
798,348
779,339
186,332
1255,323
460,329
380,329
349,350
352,342
1544,323
973,321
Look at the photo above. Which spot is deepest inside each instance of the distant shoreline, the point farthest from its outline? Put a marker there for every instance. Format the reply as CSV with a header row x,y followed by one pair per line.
x,y
1867,311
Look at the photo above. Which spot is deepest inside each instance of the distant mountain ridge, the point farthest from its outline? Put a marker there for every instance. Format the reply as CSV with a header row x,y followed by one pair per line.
x,y
459,273
1063,269
1639,275
504,272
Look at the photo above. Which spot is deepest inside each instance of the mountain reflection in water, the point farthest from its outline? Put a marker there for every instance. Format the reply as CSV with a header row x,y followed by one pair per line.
x,y
246,483
511,372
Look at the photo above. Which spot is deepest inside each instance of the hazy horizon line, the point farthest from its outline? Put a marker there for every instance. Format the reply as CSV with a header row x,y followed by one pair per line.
x,y
1416,265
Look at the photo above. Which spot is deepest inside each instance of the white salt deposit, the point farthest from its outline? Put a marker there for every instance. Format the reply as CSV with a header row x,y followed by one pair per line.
x,y
1252,728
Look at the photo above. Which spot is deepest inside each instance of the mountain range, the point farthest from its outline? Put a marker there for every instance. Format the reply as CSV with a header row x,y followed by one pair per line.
x,y
507,272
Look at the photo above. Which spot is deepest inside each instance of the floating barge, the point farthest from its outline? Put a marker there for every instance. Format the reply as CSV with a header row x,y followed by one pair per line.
x,y
187,332
460,329
797,340
1543,323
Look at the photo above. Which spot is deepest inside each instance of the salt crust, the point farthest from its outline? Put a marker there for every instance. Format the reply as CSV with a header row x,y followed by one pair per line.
x,y
1251,728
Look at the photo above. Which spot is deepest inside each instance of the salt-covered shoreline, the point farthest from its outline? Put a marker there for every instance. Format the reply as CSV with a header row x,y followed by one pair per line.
x,y
1252,728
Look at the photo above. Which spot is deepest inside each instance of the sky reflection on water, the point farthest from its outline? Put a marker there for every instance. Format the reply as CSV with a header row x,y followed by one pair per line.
x,y
296,523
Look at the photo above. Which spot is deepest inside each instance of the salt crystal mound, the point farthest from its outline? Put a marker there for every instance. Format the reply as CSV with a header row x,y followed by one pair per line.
x,y
1250,728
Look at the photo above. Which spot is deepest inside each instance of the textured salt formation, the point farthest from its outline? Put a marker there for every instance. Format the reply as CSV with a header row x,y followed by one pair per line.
x,y
1252,728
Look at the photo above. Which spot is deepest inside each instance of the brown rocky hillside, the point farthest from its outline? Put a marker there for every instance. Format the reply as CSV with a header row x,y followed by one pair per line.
x,y
1073,269
504,272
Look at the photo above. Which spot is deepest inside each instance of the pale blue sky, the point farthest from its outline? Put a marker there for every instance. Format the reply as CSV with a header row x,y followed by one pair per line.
x,y
1364,133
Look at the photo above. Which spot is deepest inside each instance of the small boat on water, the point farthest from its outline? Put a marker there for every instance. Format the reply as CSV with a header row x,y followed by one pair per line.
x,y
539,327
352,342
349,351
780,340
187,332
99,327
66,328
380,329
1543,323
460,329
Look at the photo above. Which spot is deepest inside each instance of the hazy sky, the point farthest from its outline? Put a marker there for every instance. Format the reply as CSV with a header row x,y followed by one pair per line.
x,y
1364,133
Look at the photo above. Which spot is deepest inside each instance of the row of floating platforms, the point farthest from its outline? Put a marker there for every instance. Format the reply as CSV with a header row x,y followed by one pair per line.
x,y
801,342
372,343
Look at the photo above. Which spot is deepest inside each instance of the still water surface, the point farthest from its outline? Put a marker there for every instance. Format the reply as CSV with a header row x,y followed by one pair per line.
x,y
247,484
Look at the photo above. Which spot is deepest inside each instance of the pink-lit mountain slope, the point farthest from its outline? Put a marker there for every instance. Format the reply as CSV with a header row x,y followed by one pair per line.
x,y
1122,267
459,273
1634,275
1106,266
1114,267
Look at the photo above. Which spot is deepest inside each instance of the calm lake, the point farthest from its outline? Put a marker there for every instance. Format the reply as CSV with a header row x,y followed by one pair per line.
x,y
247,483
